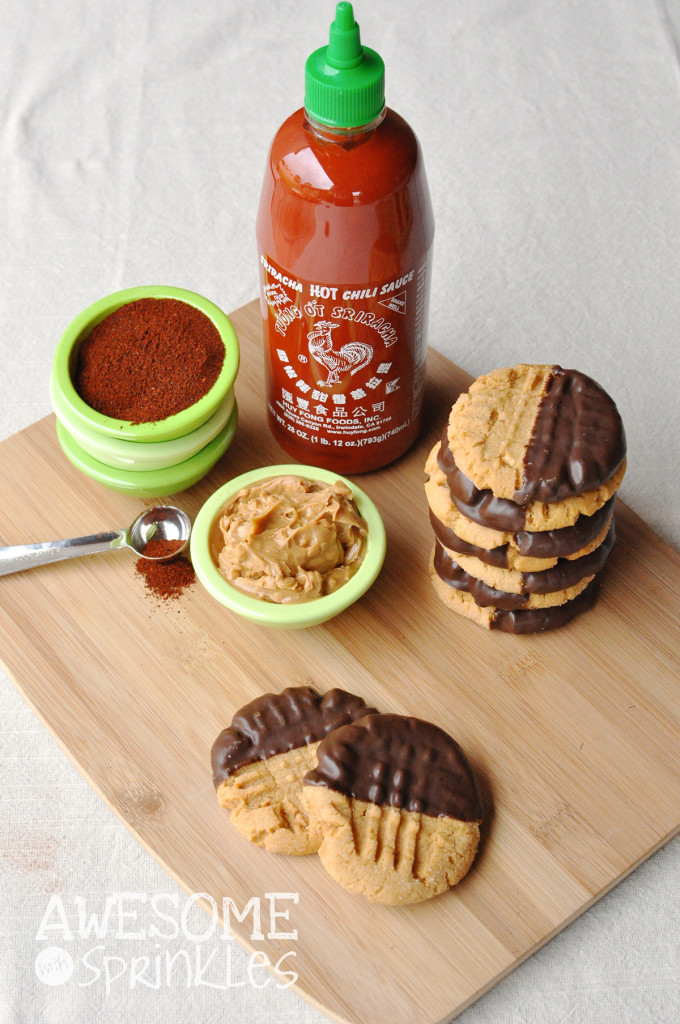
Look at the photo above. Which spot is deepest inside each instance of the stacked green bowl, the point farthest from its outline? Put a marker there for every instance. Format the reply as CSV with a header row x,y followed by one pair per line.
x,y
147,459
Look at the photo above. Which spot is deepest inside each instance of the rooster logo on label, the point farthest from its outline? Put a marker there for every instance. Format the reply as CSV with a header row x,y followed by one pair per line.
x,y
352,356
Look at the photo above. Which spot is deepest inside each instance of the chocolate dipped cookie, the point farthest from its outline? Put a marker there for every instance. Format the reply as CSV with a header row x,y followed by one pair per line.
x,y
487,509
564,531
395,807
499,610
521,489
562,576
259,762
516,555
536,434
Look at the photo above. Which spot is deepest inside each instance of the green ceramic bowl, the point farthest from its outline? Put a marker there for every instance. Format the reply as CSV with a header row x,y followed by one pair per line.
x,y
181,423
286,616
136,456
150,483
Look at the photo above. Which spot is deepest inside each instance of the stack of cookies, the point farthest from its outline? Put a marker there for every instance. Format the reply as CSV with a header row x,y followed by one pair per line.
x,y
521,492
389,803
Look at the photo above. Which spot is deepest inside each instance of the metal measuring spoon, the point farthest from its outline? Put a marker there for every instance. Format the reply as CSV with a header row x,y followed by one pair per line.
x,y
163,521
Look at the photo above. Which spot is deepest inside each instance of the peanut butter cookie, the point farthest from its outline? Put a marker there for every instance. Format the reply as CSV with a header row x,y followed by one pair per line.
x,y
395,807
487,509
510,613
506,556
536,434
259,762
559,577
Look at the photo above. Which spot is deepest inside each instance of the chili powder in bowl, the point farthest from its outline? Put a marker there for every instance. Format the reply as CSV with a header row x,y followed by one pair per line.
x,y
146,364
142,387
296,615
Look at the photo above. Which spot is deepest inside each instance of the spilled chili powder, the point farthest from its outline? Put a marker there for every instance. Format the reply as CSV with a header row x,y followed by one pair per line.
x,y
149,360
166,580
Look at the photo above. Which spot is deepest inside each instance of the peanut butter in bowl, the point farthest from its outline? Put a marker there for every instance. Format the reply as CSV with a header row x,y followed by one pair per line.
x,y
288,546
288,539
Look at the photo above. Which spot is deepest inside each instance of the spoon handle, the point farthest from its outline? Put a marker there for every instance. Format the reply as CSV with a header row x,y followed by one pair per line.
x,y
24,556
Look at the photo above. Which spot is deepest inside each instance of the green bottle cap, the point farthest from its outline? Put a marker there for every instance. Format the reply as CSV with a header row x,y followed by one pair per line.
x,y
344,81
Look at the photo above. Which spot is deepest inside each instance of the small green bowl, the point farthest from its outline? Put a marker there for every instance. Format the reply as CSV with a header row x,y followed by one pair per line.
x,y
150,483
136,456
304,613
181,423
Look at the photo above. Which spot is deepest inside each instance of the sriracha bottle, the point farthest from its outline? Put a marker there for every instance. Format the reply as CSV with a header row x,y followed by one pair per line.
x,y
344,233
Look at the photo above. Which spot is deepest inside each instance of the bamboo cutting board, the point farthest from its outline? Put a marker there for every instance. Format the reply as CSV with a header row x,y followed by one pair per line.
x,y
575,735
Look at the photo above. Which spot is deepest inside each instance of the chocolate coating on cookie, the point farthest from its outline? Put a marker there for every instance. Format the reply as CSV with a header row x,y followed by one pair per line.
x,y
539,620
278,722
484,508
481,506
559,543
577,443
449,539
565,574
548,544
568,572
509,615
394,761
485,596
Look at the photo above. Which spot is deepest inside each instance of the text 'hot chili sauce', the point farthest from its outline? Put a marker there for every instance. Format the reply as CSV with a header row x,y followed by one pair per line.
x,y
344,233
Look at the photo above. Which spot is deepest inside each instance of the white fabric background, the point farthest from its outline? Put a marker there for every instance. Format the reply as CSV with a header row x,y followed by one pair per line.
x,y
132,144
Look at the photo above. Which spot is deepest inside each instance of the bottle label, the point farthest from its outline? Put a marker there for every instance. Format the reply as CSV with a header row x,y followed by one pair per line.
x,y
346,363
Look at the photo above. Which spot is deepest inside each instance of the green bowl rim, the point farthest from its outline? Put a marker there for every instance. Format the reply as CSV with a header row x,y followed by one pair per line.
x,y
172,426
104,448
305,613
150,482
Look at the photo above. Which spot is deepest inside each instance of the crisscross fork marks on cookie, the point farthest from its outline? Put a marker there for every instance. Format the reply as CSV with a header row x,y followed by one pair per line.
x,y
265,801
385,853
249,785
490,427
390,837
514,440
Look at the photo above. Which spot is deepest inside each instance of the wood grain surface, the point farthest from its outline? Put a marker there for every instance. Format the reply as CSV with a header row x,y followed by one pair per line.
x,y
575,734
